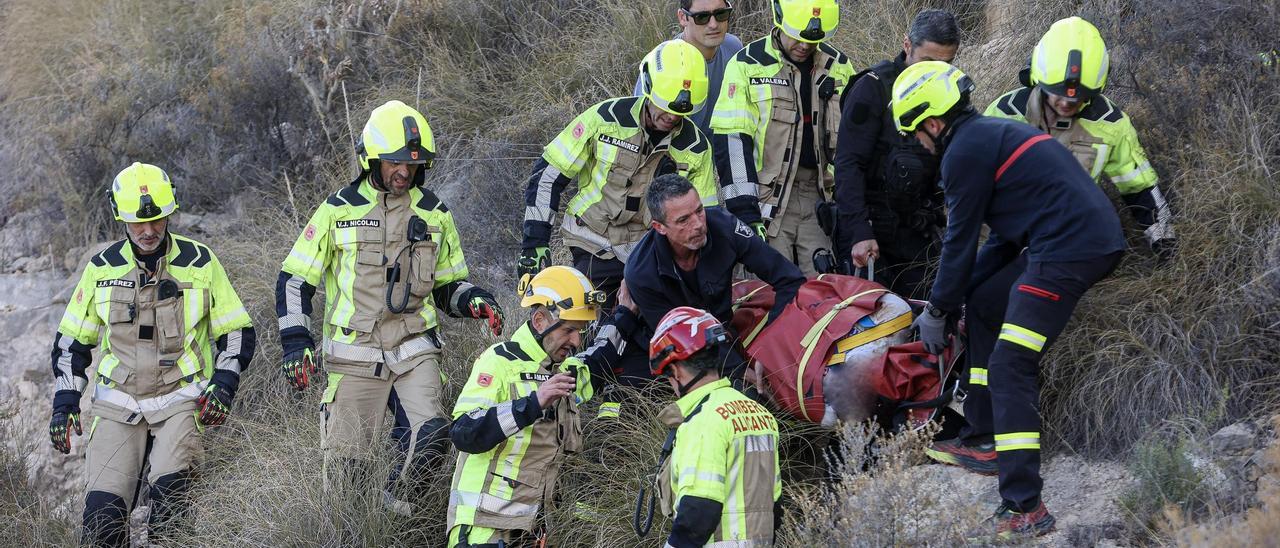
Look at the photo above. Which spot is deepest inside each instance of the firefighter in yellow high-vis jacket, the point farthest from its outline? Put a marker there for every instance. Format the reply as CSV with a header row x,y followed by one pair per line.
x,y
517,417
390,255
174,339
775,128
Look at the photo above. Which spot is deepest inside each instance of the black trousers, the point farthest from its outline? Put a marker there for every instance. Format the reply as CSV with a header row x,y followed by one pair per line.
x,y
906,273
1013,316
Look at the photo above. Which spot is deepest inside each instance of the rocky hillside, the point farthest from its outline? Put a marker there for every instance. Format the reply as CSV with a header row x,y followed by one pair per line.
x,y
1157,399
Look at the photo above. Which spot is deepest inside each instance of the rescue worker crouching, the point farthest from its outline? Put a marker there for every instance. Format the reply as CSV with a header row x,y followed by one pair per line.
x,y
155,301
689,256
888,202
718,477
390,254
1062,95
775,126
614,150
1053,236
517,417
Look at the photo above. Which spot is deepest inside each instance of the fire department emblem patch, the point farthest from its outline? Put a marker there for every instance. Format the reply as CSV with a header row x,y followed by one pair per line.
x,y
733,88
485,379
578,130
80,296
309,233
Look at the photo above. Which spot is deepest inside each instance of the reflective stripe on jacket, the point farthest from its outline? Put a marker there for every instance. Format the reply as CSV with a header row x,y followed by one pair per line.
x,y
607,150
757,125
354,240
507,486
727,451
157,332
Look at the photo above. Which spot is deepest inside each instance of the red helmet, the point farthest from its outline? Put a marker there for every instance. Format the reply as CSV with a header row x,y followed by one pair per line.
x,y
683,332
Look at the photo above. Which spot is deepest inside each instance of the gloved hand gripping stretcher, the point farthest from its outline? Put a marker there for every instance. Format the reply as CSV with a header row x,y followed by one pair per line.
x,y
843,349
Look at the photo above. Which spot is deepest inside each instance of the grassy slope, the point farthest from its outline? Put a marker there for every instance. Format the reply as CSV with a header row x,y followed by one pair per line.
x,y
247,96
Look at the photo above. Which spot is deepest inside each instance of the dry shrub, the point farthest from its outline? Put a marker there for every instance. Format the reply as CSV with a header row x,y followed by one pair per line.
x,y
1259,526
1194,338
247,97
28,516
1167,483
880,497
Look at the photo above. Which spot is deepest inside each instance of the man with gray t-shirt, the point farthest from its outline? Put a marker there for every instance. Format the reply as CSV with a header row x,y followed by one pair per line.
x,y
706,26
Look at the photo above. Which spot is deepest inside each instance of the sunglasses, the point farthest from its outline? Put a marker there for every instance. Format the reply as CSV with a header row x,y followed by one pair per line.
x,y
703,17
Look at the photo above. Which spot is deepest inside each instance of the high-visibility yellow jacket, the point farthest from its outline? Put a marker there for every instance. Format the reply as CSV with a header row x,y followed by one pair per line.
x,y
1105,142
722,479
613,158
354,241
510,448
758,125
157,330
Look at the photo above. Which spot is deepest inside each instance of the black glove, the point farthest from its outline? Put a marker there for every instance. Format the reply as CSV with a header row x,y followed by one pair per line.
x,y
1165,248
299,367
215,402
932,325
60,427
531,262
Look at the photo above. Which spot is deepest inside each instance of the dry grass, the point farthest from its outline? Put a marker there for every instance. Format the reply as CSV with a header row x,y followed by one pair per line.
x,y
1258,526
251,98
879,498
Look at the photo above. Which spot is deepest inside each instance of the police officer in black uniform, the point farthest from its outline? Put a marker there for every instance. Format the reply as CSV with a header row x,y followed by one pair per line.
x,y
888,201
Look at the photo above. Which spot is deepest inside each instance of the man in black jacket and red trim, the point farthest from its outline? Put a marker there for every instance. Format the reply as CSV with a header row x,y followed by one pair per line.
x,y
1053,235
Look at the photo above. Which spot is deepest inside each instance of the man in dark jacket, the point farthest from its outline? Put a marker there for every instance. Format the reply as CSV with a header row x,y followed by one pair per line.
x,y
688,257
1054,234
887,197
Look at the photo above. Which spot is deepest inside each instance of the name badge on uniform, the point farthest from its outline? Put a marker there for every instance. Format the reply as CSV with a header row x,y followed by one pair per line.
x,y
619,143
772,81
372,223
539,377
116,283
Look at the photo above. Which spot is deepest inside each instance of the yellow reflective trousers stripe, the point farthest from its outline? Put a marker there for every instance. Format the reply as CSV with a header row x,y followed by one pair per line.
x,y
1022,336
1014,441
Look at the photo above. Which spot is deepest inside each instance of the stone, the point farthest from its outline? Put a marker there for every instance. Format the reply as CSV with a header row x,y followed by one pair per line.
x,y
1235,440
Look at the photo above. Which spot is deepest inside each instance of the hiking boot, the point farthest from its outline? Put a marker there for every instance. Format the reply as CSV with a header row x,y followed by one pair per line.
x,y
980,459
1007,525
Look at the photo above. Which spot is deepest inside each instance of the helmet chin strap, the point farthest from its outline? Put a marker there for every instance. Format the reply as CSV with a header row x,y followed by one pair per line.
x,y
539,335
683,389
375,176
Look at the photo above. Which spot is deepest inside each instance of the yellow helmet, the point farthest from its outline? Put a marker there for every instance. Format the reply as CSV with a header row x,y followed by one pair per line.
x,y
564,290
928,89
1071,60
141,193
398,133
809,21
675,77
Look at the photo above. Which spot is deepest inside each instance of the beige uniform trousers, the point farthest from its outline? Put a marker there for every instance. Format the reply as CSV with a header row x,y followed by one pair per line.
x,y
352,417
117,452
799,234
